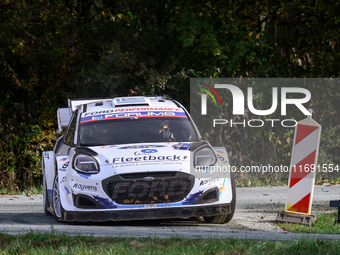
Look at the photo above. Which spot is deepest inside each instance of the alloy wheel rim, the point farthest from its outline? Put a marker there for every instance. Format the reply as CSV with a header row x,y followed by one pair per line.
x,y
56,198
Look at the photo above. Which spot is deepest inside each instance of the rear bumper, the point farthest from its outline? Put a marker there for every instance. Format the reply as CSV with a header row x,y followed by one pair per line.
x,y
146,214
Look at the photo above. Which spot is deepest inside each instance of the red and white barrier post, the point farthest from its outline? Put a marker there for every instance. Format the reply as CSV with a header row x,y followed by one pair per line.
x,y
302,173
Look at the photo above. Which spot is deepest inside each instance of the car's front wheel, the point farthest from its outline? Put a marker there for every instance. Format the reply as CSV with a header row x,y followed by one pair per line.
x,y
225,218
57,207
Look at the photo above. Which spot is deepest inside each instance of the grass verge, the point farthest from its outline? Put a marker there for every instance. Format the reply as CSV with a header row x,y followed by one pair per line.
x,y
38,189
324,224
50,243
260,182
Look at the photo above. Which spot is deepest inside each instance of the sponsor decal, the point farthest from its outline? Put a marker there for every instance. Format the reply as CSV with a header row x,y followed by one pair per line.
x,y
64,179
220,157
168,205
209,181
138,109
63,159
149,163
124,115
140,147
181,146
146,158
108,146
86,176
46,155
67,191
150,205
105,202
192,198
222,188
65,165
149,151
84,187
137,153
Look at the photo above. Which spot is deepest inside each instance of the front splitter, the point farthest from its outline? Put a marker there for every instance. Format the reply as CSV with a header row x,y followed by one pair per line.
x,y
146,214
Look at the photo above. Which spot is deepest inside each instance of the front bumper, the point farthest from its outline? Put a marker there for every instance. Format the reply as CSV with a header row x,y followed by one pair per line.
x,y
146,214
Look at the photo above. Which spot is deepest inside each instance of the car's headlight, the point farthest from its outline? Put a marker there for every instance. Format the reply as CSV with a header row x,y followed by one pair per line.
x,y
204,157
86,164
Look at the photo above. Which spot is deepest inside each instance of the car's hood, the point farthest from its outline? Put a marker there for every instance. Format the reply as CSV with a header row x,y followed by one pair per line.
x,y
143,153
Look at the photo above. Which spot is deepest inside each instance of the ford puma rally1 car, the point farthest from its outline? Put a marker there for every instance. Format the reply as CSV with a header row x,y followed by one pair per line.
x,y
133,158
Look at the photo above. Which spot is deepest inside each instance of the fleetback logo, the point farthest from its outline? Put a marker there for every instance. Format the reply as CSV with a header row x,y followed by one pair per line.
x,y
239,104
147,158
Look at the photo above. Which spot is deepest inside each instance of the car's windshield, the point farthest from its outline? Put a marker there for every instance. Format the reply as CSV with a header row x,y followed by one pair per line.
x,y
136,130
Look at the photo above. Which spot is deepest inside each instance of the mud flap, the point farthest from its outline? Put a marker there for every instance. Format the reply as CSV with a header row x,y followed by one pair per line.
x,y
48,171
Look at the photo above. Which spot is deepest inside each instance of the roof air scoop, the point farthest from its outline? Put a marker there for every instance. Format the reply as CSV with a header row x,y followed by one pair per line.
x,y
130,101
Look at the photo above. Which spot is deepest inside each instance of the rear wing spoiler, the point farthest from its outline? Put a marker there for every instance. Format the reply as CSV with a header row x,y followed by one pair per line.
x,y
74,103
64,115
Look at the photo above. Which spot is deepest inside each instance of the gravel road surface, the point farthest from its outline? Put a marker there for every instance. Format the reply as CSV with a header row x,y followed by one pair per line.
x,y
255,212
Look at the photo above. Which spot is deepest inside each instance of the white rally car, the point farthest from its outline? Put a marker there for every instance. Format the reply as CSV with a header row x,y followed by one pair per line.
x,y
133,158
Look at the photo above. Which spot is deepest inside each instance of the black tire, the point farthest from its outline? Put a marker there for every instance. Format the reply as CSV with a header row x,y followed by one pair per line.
x,y
56,203
225,218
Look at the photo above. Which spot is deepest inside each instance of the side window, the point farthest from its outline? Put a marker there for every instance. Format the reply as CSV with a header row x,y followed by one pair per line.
x,y
69,139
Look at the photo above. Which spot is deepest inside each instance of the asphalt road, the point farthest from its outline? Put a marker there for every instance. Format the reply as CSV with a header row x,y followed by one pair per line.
x,y
255,212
